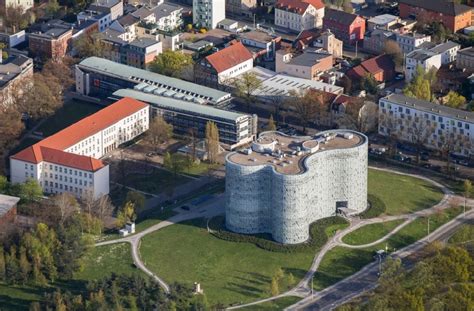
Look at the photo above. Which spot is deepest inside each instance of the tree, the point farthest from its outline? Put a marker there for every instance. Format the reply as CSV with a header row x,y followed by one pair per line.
x,y
291,280
309,106
29,191
137,199
4,185
245,86
212,141
455,100
127,214
392,48
193,141
420,86
2,264
369,83
91,45
14,17
52,8
11,127
159,132
104,207
24,265
347,6
419,132
279,273
60,71
274,288
271,126
171,63
66,204
467,187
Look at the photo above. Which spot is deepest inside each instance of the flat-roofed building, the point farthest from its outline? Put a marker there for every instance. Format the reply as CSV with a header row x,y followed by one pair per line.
x,y
284,183
99,77
235,128
8,205
437,126
68,161
309,64
411,41
52,41
15,73
426,59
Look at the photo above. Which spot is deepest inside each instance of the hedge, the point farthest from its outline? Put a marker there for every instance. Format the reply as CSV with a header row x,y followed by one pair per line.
x,y
376,207
317,232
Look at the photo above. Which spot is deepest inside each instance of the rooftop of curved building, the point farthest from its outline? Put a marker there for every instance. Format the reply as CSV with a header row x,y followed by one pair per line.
x,y
287,153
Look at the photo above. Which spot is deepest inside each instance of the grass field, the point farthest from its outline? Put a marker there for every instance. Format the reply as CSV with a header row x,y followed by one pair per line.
x,y
277,304
67,115
402,194
465,234
99,263
341,262
229,272
371,233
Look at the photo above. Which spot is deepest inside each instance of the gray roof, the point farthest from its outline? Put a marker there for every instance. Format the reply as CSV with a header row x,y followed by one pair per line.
x,y
308,58
7,203
176,104
469,51
443,47
129,73
427,106
143,42
383,19
421,55
165,9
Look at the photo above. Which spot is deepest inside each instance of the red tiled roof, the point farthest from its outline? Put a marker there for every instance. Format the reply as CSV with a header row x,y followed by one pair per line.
x,y
373,66
298,6
229,57
77,132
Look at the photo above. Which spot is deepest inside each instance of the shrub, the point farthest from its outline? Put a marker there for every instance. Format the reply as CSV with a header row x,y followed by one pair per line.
x,y
203,30
317,233
376,207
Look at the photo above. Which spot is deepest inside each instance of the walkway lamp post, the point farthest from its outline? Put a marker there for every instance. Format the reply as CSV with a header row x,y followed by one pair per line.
x,y
428,229
312,287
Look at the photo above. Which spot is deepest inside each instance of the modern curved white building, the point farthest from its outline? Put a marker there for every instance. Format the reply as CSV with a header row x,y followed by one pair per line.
x,y
284,183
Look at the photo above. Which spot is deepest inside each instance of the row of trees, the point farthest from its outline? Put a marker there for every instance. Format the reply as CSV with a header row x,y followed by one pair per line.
x,y
124,292
442,280
281,280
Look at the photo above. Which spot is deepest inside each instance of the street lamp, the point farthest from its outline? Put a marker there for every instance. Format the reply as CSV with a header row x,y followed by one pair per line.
x,y
312,287
428,229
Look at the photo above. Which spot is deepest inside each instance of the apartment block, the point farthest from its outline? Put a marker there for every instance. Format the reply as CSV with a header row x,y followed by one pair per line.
x,y
298,15
208,13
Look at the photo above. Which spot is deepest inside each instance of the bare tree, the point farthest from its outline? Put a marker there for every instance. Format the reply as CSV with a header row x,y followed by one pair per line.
x,y
245,87
448,144
159,132
193,141
67,206
309,106
419,132
358,115
391,131
103,208
212,141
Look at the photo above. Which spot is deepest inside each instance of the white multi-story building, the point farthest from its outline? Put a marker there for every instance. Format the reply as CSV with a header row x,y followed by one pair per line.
x,y
208,13
448,51
68,161
298,15
411,41
437,127
424,58
284,183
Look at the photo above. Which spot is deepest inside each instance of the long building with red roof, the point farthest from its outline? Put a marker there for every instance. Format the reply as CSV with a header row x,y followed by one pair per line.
x,y
69,161
299,15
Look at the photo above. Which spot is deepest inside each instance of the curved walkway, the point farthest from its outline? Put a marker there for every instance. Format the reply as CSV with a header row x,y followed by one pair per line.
x,y
303,288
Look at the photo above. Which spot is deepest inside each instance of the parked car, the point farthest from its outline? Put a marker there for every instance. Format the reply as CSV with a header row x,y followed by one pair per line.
x,y
424,156
185,207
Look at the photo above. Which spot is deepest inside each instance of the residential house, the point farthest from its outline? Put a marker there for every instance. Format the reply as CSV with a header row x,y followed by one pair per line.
x,y
112,7
298,15
126,26
425,58
12,39
50,40
465,58
15,72
103,20
448,51
376,40
384,22
445,128
381,67
309,64
328,41
165,16
261,43
223,65
241,8
350,28
69,161
454,16
411,41
24,4
208,13
306,38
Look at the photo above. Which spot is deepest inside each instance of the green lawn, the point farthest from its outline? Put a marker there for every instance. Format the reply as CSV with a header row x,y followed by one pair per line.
x,y
341,262
277,304
99,263
156,182
402,194
67,115
197,169
371,233
229,272
103,260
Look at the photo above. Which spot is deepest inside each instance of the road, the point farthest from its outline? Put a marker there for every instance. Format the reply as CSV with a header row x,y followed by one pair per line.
x,y
366,279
